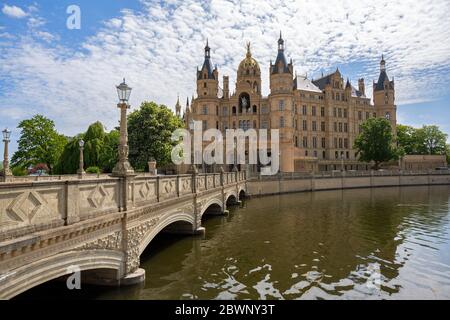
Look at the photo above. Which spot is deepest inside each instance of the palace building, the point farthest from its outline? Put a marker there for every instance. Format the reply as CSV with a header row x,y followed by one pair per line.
x,y
318,119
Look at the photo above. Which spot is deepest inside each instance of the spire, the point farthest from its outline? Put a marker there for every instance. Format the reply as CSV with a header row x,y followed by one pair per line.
x,y
280,43
382,63
178,106
187,102
348,85
207,65
249,52
207,49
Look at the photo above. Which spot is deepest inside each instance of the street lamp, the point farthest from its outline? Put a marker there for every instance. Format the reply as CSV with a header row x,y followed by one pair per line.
x,y
235,168
123,167
81,171
6,139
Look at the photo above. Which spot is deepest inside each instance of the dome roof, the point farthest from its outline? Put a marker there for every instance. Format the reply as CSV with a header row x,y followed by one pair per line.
x,y
249,62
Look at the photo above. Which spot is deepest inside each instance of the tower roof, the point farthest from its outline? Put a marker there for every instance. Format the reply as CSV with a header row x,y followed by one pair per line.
x,y
207,65
249,62
383,77
280,62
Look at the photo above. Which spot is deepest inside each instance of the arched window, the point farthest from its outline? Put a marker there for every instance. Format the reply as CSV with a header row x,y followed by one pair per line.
x,y
234,110
255,109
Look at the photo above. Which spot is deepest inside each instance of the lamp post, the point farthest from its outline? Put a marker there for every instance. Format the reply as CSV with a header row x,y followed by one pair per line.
x,y
81,171
193,169
6,170
123,167
342,161
235,168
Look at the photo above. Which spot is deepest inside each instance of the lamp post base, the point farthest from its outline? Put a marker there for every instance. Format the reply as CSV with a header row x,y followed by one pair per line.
x,y
123,168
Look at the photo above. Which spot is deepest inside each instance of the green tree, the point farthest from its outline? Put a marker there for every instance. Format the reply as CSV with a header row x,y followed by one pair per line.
x,y
448,154
407,139
150,129
375,142
109,154
431,140
68,162
94,142
39,142
100,150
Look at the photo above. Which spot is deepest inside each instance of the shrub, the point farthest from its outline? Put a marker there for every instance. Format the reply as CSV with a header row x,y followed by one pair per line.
x,y
93,170
19,171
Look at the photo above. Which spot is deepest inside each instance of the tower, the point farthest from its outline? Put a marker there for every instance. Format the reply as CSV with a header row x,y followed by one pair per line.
x,y
207,77
178,107
384,96
361,87
281,100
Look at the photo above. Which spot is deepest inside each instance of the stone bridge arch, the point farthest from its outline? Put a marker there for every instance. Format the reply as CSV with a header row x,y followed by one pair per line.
x,y
186,218
214,205
36,273
231,198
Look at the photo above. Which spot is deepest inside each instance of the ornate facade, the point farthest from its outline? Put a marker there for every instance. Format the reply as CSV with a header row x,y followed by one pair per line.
x,y
318,119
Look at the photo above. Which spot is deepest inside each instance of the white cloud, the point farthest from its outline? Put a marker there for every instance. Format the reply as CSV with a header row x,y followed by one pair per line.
x,y
159,48
14,12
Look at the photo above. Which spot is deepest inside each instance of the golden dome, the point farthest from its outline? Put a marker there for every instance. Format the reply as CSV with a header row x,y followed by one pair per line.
x,y
249,63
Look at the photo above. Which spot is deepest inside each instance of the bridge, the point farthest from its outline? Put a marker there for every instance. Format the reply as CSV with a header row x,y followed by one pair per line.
x,y
100,225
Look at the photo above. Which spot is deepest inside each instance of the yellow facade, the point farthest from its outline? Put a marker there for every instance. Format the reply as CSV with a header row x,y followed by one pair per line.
x,y
318,119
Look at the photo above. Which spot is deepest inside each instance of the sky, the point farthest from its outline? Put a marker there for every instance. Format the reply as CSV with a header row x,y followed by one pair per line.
x,y
69,75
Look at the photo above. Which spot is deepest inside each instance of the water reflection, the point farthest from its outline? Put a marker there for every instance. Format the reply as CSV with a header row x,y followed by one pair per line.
x,y
386,243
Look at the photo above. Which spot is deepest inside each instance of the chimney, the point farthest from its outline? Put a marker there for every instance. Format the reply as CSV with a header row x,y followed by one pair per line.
x,y
226,87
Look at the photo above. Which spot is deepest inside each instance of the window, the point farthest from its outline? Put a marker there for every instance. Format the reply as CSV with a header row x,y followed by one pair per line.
x,y
225,111
323,154
281,105
255,109
337,96
204,85
322,112
304,110
322,126
314,141
204,125
335,143
336,154
340,143
254,124
335,112
345,127
367,115
346,143
305,125
314,126
205,110
234,124
306,153
264,109
315,153
388,116
313,110
335,127
324,144
264,124
217,125
282,122
234,110
374,114
296,141
340,126
295,124
345,113
359,115
305,142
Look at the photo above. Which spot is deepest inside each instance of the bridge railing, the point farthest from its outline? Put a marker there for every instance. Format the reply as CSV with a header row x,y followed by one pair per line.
x,y
29,206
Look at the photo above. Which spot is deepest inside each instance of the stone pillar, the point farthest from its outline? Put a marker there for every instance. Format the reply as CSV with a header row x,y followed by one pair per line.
x,y
81,171
6,173
123,167
152,168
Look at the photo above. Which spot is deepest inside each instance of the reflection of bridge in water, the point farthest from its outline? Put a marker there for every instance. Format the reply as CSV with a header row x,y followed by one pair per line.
x,y
102,225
